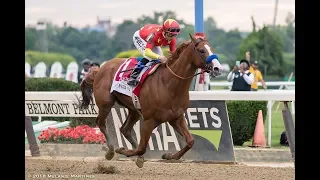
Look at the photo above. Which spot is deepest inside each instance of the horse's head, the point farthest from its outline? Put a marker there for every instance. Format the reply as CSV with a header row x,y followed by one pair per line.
x,y
204,56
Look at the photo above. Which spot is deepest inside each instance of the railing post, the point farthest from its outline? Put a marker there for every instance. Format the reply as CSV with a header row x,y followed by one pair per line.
x,y
269,122
290,130
33,146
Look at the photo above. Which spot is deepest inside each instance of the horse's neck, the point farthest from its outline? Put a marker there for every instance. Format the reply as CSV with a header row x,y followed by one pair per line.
x,y
182,67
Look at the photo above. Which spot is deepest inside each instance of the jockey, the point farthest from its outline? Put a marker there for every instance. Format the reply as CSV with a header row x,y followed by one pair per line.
x,y
149,39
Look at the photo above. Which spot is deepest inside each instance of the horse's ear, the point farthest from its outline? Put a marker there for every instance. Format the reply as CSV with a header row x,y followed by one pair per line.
x,y
192,38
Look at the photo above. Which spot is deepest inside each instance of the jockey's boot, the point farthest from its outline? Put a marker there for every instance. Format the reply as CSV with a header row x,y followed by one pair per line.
x,y
135,73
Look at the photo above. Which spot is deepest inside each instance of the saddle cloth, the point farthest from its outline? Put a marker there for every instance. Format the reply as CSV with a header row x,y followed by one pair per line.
x,y
122,76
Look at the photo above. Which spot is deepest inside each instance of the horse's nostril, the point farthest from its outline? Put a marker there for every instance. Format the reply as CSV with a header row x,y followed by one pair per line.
x,y
216,68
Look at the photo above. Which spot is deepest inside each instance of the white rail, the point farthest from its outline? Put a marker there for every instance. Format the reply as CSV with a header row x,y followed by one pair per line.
x,y
269,83
275,95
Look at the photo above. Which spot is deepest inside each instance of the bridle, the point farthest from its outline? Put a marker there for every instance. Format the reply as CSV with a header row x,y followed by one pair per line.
x,y
207,67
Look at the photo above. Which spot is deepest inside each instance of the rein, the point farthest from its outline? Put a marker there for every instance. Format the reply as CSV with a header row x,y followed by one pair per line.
x,y
184,78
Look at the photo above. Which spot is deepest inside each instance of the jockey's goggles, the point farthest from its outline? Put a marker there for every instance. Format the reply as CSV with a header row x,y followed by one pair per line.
x,y
173,30
169,34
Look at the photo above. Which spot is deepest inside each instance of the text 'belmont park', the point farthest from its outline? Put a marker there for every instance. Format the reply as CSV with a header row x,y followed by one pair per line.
x,y
58,108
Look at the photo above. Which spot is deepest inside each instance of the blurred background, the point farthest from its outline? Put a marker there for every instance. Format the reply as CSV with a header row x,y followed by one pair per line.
x,y
74,30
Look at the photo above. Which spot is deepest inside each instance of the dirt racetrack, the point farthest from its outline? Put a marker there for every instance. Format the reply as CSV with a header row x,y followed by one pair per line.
x,y
98,168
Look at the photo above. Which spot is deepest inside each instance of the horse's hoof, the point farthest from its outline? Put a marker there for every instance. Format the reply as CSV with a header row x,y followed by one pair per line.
x,y
140,161
109,155
119,150
167,156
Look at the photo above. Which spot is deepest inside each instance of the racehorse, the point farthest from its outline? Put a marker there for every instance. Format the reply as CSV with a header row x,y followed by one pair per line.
x,y
164,96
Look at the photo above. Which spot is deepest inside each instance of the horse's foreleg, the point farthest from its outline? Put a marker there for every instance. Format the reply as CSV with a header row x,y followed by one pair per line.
x,y
147,128
181,127
127,126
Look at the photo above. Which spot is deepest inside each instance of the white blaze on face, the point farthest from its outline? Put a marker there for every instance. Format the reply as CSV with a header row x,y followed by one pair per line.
x,y
208,49
215,61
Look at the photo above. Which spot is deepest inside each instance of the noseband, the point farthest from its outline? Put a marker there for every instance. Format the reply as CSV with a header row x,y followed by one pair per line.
x,y
206,68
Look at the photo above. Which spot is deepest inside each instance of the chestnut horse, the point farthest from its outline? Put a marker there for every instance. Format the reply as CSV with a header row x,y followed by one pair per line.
x,y
164,97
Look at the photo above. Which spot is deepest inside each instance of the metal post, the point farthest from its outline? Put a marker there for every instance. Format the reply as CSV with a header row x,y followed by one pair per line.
x,y
39,118
198,29
269,122
290,130
198,21
34,148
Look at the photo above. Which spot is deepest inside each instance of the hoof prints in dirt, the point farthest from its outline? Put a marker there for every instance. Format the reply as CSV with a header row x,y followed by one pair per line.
x,y
102,169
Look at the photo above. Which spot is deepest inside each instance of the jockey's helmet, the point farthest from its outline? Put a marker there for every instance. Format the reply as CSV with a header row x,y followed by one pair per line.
x,y
171,26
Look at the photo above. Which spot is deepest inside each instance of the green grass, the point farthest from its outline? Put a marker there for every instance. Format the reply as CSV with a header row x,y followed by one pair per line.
x,y
277,124
277,127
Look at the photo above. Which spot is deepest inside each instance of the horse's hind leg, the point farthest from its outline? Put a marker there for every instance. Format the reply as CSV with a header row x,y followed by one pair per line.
x,y
181,127
127,126
147,128
104,110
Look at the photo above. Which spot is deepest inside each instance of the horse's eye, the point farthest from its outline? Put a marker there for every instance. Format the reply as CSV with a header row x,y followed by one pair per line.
x,y
202,51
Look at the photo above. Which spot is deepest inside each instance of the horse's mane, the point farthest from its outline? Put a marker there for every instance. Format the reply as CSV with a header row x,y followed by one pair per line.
x,y
178,51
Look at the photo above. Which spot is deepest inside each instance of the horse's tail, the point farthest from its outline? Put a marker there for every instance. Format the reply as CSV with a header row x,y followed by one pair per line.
x,y
86,87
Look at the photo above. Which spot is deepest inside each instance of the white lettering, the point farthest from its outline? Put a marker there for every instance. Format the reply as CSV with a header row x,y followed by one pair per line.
x,y
163,144
60,176
123,113
136,128
215,117
159,143
203,111
117,125
82,176
191,118
167,138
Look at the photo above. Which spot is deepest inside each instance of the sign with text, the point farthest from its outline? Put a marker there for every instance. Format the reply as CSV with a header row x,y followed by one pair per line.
x,y
208,123
207,120
58,109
